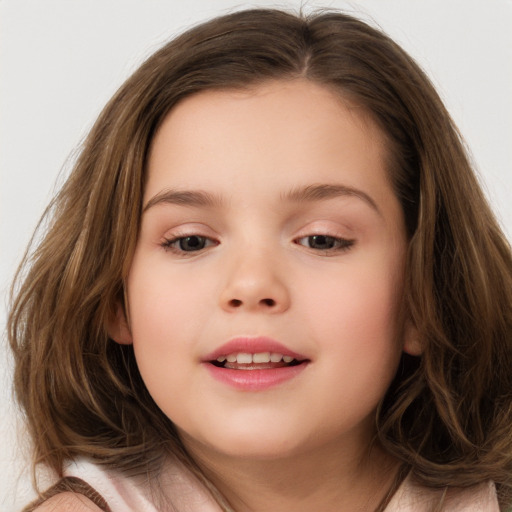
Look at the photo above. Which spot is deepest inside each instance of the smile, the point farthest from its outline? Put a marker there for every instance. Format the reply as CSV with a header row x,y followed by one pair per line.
x,y
254,363
257,361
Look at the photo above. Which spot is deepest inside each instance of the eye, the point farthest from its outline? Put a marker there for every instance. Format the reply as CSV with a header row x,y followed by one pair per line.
x,y
325,243
191,243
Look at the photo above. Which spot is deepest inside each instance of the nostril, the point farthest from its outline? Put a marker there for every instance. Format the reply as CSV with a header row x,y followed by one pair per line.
x,y
236,303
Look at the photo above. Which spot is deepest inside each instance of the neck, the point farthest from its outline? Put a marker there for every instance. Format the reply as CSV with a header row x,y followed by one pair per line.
x,y
328,479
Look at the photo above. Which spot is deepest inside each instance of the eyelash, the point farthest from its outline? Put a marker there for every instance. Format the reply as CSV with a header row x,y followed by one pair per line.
x,y
171,244
338,244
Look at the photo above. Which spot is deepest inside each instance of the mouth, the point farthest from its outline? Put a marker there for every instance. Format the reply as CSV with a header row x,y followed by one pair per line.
x,y
256,361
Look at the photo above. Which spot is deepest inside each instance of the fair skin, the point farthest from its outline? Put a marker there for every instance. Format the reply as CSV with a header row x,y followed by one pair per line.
x,y
269,214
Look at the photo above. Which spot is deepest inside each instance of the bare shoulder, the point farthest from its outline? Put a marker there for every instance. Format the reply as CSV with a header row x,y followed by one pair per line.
x,y
68,502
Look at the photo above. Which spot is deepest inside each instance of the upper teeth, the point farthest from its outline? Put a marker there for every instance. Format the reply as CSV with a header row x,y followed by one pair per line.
x,y
260,357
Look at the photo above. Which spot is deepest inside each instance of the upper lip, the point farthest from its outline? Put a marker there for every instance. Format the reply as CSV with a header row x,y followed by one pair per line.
x,y
252,345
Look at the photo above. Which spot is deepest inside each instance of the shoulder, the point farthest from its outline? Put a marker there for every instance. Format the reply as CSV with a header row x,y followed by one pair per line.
x,y
413,496
69,494
481,497
67,502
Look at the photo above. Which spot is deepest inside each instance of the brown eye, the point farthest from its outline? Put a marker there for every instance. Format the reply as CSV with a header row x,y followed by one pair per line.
x,y
191,243
325,242
321,242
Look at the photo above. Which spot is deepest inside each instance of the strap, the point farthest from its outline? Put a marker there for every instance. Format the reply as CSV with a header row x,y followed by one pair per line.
x,y
71,484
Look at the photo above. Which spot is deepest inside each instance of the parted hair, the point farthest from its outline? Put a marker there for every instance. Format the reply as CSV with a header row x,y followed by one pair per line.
x,y
448,412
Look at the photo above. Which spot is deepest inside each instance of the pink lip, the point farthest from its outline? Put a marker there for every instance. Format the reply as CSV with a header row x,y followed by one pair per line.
x,y
252,345
254,380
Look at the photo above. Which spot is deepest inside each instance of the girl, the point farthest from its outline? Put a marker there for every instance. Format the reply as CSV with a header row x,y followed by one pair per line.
x,y
271,282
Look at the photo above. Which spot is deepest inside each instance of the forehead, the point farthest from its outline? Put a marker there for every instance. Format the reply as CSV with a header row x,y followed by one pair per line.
x,y
299,99
285,129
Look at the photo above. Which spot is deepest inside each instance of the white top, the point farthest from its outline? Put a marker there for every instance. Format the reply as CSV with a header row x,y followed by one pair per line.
x,y
411,497
125,494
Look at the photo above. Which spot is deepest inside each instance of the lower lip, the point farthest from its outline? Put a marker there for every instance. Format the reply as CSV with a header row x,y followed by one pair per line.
x,y
255,380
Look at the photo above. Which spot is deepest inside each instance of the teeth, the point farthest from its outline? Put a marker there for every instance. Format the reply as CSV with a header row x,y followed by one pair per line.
x,y
263,357
244,358
260,357
276,358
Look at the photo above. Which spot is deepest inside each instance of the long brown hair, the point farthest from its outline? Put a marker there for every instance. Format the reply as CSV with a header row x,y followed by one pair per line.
x,y
448,413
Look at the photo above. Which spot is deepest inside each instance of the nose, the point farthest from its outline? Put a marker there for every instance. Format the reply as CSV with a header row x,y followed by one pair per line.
x,y
255,284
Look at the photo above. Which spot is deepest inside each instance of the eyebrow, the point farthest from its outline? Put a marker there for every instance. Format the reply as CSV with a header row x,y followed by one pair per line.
x,y
184,198
319,192
309,193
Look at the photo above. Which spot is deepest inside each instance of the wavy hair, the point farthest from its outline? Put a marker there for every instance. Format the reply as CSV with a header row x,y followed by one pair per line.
x,y
448,414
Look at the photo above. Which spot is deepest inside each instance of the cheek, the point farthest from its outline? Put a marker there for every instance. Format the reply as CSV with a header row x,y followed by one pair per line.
x,y
168,309
155,310
355,302
354,321
164,300
161,330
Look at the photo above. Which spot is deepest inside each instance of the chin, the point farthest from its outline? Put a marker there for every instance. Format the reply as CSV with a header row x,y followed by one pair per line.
x,y
246,443
264,451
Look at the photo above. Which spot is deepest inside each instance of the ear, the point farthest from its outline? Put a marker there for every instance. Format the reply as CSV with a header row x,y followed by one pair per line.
x,y
412,343
117,326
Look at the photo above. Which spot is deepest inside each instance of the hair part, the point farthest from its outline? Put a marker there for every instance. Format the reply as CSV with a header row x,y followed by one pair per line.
x,y
448,413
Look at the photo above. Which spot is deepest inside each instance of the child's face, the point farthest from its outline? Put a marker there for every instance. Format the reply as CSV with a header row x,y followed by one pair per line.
x,y
270,224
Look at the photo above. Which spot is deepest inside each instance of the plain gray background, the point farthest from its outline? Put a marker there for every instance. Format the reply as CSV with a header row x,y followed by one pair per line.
x,y
61,60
